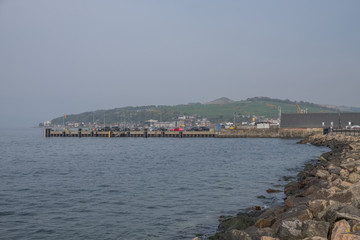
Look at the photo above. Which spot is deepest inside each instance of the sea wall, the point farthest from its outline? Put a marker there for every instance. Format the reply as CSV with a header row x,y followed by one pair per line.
x,y
270,133
323,203
299,132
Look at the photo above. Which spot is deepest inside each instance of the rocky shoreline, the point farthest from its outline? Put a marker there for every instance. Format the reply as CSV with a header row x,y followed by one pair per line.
x,y
324,202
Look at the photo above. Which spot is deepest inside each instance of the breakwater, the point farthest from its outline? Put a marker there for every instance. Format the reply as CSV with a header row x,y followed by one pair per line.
x,y
236,133
324,202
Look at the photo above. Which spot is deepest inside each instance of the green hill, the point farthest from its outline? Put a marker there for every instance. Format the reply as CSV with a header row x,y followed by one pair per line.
x,y
219,110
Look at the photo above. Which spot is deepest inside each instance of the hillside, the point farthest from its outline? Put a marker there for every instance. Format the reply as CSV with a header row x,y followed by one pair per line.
x,y
222,100
222,110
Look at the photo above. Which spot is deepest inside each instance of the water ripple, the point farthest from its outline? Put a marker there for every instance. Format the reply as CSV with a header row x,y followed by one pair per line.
x,y
95,188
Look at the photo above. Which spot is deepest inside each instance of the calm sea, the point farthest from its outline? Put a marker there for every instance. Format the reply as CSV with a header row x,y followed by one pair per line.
x,y
135,188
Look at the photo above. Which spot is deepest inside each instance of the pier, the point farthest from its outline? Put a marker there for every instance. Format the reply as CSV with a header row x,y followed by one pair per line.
x,y
224,133
48,132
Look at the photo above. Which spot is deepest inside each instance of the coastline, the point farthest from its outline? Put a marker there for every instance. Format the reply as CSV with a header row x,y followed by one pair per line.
x,y
323,203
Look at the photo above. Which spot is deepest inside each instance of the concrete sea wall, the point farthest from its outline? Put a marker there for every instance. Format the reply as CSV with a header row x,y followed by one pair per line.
x,y
270,133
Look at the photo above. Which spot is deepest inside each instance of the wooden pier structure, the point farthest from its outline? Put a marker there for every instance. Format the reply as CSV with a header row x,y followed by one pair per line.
x,y
224,133
48,132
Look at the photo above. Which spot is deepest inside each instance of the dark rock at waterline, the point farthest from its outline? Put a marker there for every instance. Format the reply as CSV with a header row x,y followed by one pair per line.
x,y
273,190
291,188
235,234
287,178
239,222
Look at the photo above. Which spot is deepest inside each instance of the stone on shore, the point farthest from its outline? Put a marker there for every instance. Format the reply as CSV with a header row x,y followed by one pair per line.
x,y
322,174
291,188
355,190
315,238
348,236
354,177
256,233
268,238
290,229
316,206
273,190
237,235
313,228
339,229
265,222
344,174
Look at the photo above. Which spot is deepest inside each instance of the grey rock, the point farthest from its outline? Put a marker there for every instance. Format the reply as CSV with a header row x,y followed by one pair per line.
x,y
313,228
256,233
344,196
329,214
355,190
322,174
315,238
290,229
317,206
235,234
354,177
335,170
344,174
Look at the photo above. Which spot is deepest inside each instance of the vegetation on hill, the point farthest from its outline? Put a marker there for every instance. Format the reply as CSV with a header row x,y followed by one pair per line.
x,y
222,100
222,111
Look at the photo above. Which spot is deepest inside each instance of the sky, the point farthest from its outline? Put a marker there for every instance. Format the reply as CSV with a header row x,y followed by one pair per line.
x,y
70,56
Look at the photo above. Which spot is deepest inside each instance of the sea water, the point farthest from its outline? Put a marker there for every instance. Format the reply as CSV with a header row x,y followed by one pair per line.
x,y
136,188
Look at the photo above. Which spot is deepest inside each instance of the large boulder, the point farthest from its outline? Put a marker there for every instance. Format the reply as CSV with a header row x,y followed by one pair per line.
x,y
343,196
354,177
312,228
355,191
298,214
291,188
290,229
239,222
268,238
315,238
339,229
322,174
348,236
256,233
344,174
330,212
356,227
293,201
334,169
235,234
351,210
310,190
317,206
354,146
265,222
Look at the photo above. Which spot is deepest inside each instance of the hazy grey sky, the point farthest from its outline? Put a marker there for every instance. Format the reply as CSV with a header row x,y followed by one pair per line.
x,y
71,56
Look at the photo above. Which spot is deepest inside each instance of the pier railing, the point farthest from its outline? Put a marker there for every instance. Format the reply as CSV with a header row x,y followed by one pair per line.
x,y
346,132
110,134
236,133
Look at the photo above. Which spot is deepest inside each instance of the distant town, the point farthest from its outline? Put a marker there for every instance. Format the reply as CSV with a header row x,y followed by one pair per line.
x,y
184,122
222,113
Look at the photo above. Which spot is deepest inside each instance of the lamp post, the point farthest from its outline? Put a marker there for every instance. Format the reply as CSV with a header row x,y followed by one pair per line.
x,y
235,119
